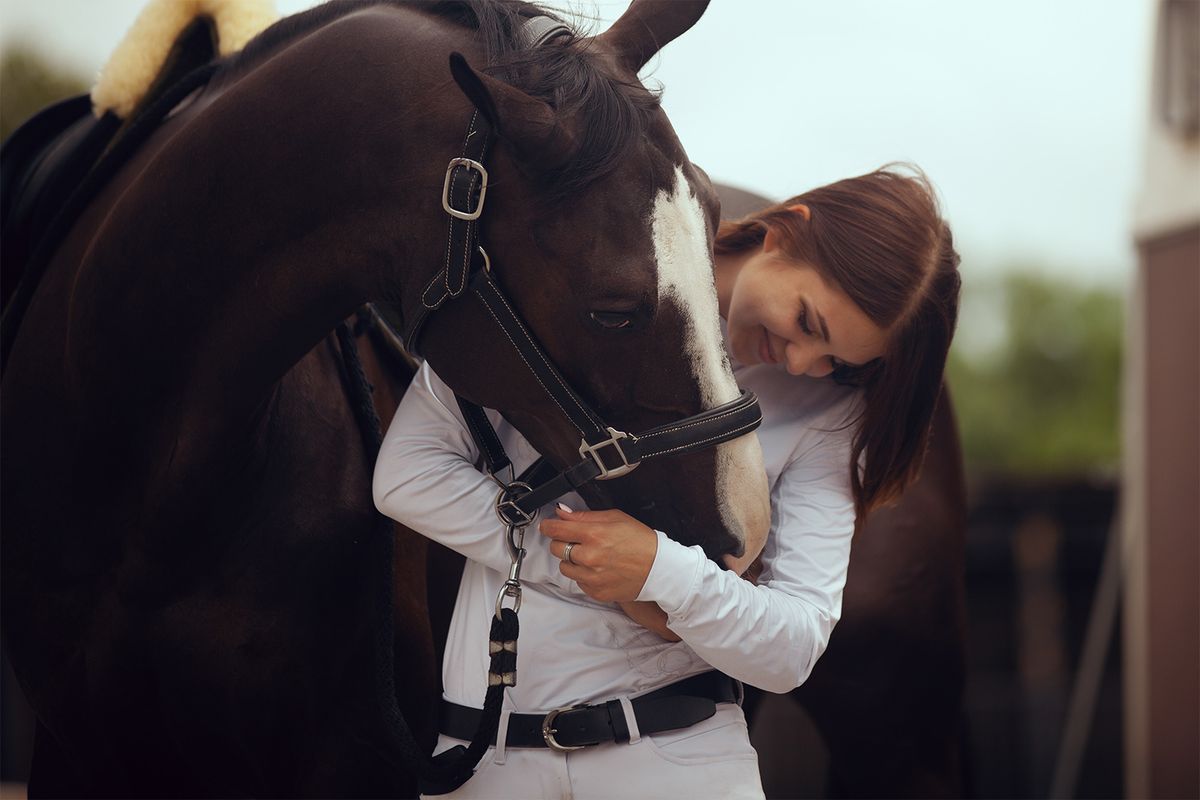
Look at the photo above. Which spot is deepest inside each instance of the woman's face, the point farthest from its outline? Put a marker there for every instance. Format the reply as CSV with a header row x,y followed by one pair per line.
x,y
783,312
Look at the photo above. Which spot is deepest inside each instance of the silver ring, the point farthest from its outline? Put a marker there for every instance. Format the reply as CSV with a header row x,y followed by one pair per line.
x,y
567,552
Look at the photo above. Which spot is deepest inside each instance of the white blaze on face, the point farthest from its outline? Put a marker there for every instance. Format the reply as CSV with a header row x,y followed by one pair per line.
x,y
685,278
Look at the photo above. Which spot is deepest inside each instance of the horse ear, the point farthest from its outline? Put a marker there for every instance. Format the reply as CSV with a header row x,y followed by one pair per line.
x,y
647,26
526,123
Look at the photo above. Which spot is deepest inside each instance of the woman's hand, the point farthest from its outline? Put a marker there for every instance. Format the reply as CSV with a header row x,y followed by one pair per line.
x,y
612,552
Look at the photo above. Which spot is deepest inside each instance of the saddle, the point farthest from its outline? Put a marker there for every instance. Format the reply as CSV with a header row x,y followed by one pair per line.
x,y
41,164
58,159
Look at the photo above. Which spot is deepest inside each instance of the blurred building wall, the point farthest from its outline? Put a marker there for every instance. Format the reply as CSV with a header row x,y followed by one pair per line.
x,y
1161,516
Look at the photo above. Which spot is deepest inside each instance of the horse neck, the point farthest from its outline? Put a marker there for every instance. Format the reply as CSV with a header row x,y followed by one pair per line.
x,y
274,205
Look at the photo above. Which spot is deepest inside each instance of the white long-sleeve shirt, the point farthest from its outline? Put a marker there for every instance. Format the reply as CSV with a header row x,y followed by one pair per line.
x,y
575,649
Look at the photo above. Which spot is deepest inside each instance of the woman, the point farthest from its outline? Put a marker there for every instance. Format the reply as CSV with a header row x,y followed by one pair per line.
x,y
838,308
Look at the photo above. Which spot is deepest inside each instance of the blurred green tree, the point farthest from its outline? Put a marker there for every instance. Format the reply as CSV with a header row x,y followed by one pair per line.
x,y
29,82
1043,399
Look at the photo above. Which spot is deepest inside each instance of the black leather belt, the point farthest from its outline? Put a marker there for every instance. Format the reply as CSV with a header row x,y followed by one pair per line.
x,y
678,705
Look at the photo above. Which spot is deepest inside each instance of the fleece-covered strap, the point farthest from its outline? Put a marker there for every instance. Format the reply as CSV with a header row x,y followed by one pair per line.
x,y
138,59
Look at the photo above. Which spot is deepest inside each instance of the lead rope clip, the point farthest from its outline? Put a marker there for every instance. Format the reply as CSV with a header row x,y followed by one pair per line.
x,y
516,520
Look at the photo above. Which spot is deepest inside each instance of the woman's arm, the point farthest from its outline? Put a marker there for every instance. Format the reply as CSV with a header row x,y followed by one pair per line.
x,y
426,478
769,635
650,615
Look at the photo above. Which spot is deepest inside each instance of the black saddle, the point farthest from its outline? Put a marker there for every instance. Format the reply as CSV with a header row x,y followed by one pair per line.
x,y
53,165
41,164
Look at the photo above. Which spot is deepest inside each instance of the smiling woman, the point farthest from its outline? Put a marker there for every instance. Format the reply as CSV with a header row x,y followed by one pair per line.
x,y
784,311
858,279
854,283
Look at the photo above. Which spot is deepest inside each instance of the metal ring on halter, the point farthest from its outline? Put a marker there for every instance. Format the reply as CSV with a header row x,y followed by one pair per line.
x,y
506,500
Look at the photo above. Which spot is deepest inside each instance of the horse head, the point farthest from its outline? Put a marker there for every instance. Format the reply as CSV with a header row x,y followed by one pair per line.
x,y
600,230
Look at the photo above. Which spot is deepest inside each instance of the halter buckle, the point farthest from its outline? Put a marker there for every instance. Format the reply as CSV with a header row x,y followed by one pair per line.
x,y
470,164
614,441
548,731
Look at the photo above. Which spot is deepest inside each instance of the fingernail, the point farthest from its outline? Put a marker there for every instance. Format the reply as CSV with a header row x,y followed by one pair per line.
x,y
565,508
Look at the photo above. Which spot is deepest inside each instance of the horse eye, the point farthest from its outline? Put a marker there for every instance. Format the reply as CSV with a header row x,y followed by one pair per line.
x,y
612,320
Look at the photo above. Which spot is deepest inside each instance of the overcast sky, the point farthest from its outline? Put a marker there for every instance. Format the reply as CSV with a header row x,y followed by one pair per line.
x,y
1027,114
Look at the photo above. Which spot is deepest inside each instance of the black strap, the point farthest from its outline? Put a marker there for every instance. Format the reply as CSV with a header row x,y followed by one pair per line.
x,y
484,435
463,195
678,705
706,429
462,256
451,769
533,355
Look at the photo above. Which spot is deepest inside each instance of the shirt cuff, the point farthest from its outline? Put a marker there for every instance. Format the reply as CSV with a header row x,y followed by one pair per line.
x,y
673,574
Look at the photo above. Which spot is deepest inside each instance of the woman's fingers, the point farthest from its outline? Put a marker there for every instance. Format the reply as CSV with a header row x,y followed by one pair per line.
x,y
610,551
566,531
579,553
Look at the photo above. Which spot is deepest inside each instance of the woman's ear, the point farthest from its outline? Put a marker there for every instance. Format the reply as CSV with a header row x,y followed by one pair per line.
x,y
770,241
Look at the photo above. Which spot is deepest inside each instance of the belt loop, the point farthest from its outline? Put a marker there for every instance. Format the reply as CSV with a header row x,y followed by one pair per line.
x,y
502,737
635,734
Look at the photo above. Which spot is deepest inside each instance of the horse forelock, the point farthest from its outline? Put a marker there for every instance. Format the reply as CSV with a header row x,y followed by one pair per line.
x,y
605,112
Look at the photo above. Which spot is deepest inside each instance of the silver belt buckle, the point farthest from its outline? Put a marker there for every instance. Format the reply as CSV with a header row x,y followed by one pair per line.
x,y
548,731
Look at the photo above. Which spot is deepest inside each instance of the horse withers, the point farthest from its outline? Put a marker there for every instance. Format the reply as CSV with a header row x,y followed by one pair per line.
x,y
196,597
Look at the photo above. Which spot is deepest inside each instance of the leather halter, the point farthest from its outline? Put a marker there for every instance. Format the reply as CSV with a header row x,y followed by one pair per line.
x,y
605,452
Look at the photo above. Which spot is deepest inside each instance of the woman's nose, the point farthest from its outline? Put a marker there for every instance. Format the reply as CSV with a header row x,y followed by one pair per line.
x,y
804,360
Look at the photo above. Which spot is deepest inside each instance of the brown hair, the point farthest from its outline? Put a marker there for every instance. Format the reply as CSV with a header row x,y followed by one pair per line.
x,y
881,238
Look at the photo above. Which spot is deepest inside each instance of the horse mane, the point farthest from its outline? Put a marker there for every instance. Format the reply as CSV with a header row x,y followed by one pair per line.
x,y
611,113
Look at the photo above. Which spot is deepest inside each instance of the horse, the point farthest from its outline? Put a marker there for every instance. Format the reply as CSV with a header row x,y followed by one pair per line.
x,y
199,598
887,695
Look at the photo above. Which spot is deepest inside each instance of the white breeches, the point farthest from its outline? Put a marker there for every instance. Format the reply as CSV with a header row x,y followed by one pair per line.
x,y
711,759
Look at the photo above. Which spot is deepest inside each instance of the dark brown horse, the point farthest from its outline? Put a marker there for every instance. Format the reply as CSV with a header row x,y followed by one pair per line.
x,y
887,695
194,581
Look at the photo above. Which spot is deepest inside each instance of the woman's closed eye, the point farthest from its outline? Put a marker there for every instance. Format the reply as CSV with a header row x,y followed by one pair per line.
x,y
804,323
